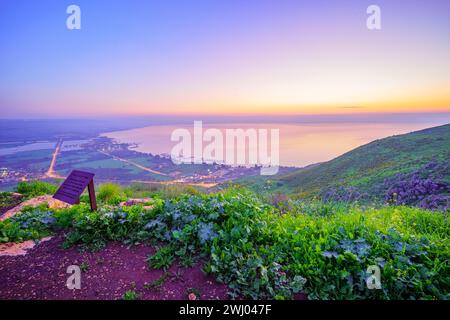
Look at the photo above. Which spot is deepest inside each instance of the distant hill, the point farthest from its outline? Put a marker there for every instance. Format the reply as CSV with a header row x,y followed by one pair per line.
x,y
14,130
366,168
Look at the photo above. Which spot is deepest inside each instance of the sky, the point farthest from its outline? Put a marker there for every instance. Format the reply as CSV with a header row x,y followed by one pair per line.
x,y
216,57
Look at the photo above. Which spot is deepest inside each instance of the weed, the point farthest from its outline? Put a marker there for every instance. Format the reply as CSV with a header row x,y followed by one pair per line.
x,y
156,285
162,259
130,295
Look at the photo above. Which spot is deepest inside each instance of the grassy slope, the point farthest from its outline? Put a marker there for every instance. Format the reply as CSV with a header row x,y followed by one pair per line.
x,y
367,166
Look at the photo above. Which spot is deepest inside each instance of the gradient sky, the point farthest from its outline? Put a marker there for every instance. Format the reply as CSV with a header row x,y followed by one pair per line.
x,y
229,56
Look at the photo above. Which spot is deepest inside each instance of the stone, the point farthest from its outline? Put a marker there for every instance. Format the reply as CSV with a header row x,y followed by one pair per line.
x,y
19,249
132,202
52,203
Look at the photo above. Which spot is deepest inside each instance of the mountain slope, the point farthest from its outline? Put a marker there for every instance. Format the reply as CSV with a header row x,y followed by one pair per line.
x,y
366,168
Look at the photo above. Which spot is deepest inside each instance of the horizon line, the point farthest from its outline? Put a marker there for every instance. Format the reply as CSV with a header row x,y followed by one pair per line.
x,y
109,116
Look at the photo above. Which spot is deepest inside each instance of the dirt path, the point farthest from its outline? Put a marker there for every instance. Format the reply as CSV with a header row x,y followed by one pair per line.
x,y
108,274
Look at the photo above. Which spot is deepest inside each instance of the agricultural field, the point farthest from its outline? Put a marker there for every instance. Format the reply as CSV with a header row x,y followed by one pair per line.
x,y
32,161
104,166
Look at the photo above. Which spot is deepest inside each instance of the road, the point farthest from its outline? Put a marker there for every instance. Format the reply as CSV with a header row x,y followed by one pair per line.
x,y
51,173
134,164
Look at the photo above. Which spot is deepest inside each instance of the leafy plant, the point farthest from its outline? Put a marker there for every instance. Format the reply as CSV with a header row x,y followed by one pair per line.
x,y
84,266
162,259
130,295
187,261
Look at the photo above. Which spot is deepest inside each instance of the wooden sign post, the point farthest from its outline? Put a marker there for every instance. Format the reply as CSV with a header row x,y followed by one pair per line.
x,y
72,188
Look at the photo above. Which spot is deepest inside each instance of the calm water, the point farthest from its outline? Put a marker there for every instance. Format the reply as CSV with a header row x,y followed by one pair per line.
x,y
28,147
300,144
42,145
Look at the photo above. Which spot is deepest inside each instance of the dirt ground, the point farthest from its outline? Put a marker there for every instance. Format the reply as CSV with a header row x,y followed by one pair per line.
x,y
106,274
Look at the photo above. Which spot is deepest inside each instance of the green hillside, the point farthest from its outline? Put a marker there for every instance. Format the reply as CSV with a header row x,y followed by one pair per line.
x,y
366,167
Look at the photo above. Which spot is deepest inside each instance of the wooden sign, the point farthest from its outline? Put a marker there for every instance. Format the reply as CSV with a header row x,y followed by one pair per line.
x,y
72,188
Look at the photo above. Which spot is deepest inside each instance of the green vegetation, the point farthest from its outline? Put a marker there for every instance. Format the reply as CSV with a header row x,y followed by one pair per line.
x,y
130,295
7,200
84,266
35,188
156,285
34,223
268,251
162,259
110,193
365,168
144,190
36,160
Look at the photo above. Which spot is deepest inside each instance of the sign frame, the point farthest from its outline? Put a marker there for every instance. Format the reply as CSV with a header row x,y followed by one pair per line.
x,y
74,185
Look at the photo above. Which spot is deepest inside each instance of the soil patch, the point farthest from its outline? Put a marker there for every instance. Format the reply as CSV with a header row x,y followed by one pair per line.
x,y
106,274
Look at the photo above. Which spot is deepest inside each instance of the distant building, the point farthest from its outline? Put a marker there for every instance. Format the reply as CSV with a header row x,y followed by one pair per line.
x,y
3,172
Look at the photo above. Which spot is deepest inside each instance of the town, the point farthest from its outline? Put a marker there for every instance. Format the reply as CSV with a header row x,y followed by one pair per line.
x,y
116,162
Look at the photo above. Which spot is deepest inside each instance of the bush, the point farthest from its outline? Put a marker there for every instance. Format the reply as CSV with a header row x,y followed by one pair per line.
x,y
94,229
32,223
110,193
35,188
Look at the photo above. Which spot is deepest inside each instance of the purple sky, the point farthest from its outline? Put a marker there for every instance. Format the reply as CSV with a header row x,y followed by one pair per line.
x,y
215,57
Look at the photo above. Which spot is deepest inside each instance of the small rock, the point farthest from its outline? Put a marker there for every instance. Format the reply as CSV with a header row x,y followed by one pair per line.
x,y
52,203
132,202
192,296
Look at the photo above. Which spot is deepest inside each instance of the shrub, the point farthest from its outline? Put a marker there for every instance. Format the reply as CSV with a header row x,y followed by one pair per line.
x,y
110,193
32,223
35,188
94,229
